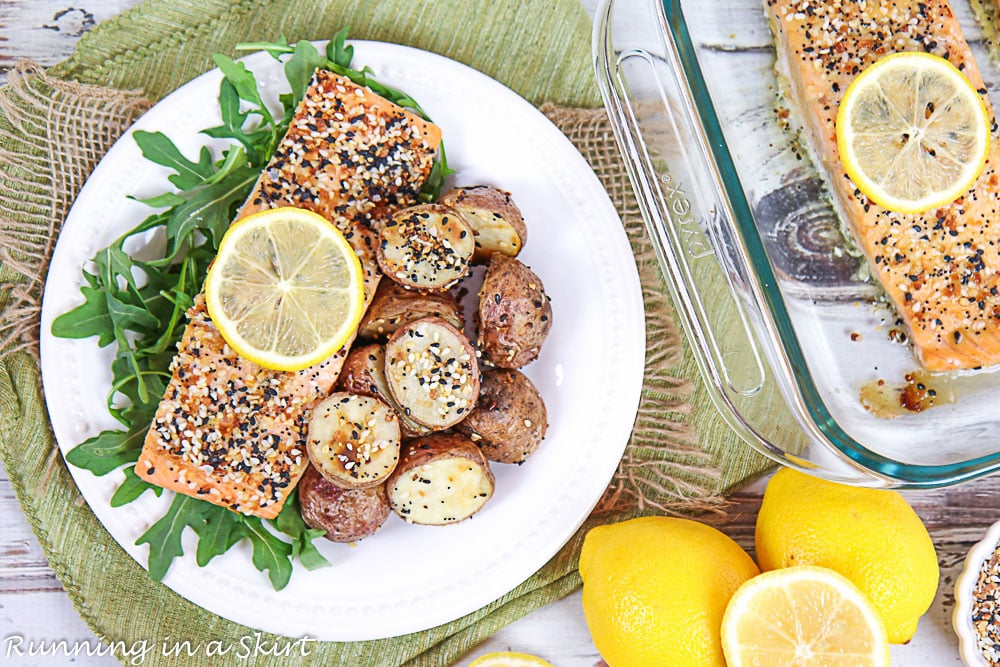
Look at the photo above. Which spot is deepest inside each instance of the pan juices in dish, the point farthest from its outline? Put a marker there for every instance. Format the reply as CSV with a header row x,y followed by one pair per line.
x,y
940,269
227,430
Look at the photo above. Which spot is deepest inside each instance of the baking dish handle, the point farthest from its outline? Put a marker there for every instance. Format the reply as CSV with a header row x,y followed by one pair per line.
x,y
685,218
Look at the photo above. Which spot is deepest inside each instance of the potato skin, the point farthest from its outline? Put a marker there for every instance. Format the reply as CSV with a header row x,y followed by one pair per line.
x,y
509,420
418,461
515,314
357,373
364,373
495,219
347,515
395,306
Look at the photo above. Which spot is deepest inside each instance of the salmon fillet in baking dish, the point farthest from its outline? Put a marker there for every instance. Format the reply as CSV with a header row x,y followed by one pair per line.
x,y
227,430
987,13
940,269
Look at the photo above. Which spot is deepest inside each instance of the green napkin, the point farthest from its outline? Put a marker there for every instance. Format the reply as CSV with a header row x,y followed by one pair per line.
x,y
54,127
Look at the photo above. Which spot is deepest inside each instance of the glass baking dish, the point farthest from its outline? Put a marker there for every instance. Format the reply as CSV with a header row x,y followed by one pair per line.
x,y
798,349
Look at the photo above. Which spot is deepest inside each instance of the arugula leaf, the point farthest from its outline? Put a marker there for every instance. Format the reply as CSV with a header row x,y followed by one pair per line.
x,y
164,536
127,315
339,53
133,487
114,261
152,294
440,170
165,200
107,451
233,122
233,119
269,552
299,69
221,530
180,301
141,390
306,550
289,521
157,147
90,318
244,82
210,209
275,49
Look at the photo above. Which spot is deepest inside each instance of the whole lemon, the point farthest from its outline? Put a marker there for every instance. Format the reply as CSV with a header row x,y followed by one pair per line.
x,y
655,590
873,537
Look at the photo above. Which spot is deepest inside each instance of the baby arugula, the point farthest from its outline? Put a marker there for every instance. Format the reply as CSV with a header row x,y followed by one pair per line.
x,y
139,304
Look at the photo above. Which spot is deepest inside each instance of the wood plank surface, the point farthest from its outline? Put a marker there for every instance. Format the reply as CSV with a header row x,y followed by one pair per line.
x,y
46,31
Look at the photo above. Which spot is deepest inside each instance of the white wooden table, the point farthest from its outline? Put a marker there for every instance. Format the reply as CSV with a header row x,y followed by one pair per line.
x,y
34,607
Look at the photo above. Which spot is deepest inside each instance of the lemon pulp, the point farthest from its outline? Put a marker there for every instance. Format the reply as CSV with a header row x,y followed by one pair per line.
x,y
802,617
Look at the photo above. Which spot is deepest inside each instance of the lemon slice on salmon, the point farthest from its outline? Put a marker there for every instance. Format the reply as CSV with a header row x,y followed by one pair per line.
x,y
913,132
801,617
286,289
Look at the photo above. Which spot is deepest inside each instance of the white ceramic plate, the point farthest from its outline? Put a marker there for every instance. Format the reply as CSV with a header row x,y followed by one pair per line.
x,y
405,578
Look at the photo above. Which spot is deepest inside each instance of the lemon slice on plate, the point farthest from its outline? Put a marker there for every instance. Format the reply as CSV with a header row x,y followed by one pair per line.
x,y
802,616
912,132
509,659
286,289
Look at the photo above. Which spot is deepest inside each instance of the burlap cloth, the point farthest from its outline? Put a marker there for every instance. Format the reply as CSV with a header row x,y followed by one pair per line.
x,y
54,127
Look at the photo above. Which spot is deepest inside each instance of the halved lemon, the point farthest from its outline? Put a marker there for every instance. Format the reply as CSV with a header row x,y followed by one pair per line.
x,y
913,132
286,289
509,659
802,616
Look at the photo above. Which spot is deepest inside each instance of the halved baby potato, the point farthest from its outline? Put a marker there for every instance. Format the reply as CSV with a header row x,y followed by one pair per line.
x,y
442,478
353,440
432,372
364,373
426,247
394,306
495,219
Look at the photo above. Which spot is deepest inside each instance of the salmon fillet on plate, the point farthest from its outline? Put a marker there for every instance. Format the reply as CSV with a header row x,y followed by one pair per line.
x,y
227,430
940,269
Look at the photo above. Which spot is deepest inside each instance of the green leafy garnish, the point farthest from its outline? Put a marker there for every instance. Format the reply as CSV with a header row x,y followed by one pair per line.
x,y
164,536
290,522
108,450
133,487
219,532
269,552
139,304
